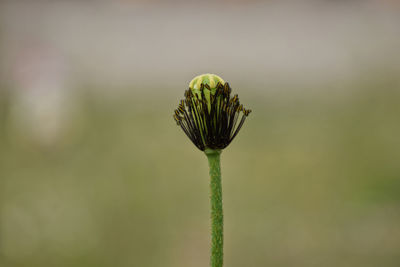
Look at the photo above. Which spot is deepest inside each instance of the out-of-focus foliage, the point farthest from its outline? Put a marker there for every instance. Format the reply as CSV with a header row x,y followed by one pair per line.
x,y
312,180
94,172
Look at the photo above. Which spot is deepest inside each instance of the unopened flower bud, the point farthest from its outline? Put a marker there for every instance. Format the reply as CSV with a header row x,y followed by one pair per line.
x,y
209,116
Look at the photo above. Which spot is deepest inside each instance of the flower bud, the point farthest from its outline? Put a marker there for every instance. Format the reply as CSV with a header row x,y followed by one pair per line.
x,y
209,116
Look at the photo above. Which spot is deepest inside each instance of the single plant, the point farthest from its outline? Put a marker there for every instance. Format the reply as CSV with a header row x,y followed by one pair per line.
x,y
211,118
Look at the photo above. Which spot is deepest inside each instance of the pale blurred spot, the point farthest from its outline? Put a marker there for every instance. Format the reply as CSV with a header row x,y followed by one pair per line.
x,y
40,108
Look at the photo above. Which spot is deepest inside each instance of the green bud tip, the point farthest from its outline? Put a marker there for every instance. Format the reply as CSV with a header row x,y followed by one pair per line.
x,y
208,82
210,79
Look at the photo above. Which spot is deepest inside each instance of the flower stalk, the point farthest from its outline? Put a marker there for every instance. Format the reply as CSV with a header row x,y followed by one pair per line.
x,y
217,216
212,118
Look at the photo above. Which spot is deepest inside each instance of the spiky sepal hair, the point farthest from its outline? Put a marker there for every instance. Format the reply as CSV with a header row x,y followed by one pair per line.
x,y
211,119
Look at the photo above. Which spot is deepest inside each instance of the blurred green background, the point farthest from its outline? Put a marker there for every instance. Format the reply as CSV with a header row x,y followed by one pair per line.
x,y
102,176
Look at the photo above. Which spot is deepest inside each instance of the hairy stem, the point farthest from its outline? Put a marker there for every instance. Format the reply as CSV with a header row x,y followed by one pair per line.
x,y
217,218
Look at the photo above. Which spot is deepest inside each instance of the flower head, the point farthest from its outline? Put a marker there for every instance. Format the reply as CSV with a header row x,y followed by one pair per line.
x,y
208,115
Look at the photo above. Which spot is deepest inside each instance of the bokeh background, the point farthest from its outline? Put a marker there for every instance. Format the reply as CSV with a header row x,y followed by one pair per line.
x,y
94,171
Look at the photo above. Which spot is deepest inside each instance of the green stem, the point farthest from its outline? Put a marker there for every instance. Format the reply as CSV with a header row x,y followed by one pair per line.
x,y
217,218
